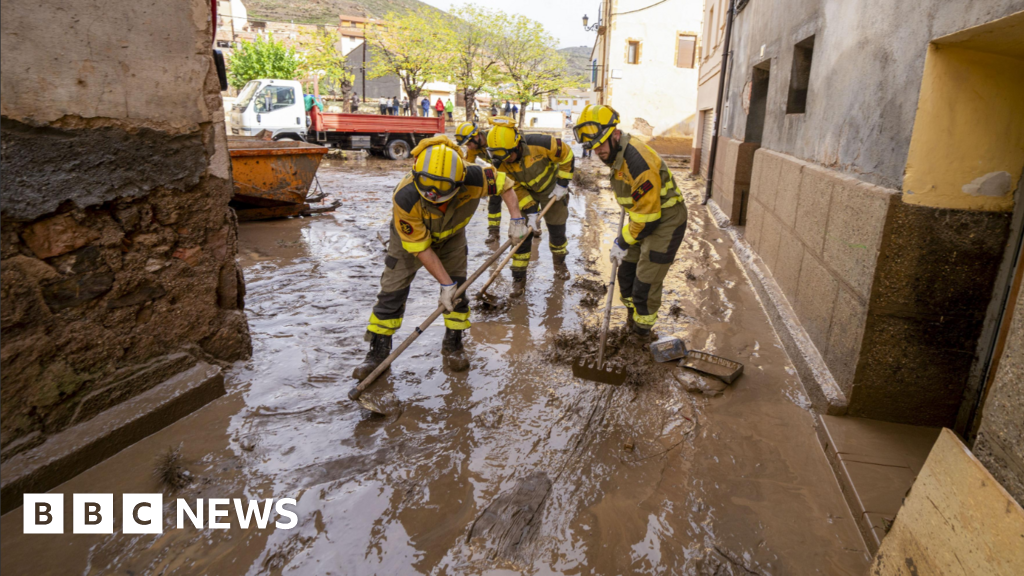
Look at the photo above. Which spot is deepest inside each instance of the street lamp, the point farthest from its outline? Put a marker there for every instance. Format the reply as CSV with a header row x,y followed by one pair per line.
x,y
592,28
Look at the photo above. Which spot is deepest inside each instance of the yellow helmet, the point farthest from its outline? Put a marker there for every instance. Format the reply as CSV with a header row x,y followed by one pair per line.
x,y
439,171
502,121
464,132
596,123
503,139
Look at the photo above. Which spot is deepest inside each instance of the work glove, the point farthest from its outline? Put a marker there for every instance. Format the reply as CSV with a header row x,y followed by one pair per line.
x,y
617,252
531,221
517,228
447,298
559,192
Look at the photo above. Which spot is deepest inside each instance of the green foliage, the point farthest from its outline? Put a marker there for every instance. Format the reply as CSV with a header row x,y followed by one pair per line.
x,y
263,58
414,46
474,66
321,59
534,68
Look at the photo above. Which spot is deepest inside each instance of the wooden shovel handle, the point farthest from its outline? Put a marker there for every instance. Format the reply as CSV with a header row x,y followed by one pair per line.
x,y
529,232
608,301
356,392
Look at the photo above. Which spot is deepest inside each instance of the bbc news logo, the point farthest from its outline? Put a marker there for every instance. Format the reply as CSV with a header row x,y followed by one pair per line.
x,y
144,513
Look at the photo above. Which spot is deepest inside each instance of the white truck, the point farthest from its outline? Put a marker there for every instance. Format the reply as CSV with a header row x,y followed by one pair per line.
x,y
279,106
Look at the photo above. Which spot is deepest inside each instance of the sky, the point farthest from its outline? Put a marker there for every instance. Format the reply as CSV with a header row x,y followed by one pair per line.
x,y
563,19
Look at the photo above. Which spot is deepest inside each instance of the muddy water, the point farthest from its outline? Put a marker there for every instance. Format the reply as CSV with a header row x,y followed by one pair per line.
x,y
512,467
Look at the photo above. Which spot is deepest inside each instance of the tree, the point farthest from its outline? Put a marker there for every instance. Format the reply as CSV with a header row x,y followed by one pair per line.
x,y
322,60
413,46
262,58
533,66
474,65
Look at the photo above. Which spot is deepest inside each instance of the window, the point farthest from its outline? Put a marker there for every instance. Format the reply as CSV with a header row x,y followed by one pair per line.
x,y
633,52
223,44
710,29
274,98
800,76
686,45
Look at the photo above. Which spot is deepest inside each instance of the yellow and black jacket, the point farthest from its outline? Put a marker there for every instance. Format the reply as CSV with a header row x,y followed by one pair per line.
x,y
545,161
644,186
421,224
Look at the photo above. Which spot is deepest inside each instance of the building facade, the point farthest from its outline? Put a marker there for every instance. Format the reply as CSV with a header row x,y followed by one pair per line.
x,y
708,79
872,154
645,57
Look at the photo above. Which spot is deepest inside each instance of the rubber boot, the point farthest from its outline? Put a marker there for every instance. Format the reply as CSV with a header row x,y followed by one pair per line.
x,y
561,270
630,323
643,334
518,287
451,349
493,235
380,349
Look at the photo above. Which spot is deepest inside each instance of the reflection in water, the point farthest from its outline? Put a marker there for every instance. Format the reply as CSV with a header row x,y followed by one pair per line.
x,y
557,475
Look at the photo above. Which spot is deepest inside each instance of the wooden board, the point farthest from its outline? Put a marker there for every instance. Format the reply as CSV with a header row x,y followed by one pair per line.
x,y
956,520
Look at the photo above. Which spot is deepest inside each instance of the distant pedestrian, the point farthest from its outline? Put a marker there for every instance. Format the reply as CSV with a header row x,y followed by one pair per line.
x,y
508,108
425,104
382,103
439,108
405,106
494,110
354,105
449,109
515,111
394,106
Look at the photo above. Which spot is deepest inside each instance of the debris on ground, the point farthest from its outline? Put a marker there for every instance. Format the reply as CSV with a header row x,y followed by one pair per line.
x,y
623,348
170,471
511,523
585,179
590,285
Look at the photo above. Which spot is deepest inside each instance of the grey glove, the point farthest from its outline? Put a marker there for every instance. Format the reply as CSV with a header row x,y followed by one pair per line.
x,y
447,298
559,192
531,221
517,228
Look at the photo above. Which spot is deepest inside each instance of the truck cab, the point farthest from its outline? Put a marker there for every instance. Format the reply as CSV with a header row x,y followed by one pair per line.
x,y
274,105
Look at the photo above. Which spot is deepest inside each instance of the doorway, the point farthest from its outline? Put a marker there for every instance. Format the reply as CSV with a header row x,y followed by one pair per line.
x,y
758,102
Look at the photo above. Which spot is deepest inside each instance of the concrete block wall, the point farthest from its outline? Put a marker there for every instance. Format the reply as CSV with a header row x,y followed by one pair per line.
x,y
731,185
819,232
892,295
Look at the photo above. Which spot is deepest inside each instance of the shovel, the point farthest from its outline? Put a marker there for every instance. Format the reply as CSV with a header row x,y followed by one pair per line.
x,y
357,392
599,371
489,301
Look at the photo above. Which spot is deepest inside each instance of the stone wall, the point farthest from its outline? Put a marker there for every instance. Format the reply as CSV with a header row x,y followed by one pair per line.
x,y
118,247
893,296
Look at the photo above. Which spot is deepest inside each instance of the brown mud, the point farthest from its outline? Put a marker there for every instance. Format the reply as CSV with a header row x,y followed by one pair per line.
x,y
512,467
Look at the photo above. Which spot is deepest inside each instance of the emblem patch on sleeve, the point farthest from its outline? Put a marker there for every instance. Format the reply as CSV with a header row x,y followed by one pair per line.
x,y
405,227
646,186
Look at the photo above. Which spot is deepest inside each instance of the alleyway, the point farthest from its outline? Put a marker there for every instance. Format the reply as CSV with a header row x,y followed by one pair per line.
x,y
652,479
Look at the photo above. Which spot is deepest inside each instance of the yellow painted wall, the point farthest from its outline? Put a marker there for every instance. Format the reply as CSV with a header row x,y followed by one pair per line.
x,y
970,122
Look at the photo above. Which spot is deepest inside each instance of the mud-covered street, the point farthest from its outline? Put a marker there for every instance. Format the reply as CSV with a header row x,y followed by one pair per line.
x,y
512,467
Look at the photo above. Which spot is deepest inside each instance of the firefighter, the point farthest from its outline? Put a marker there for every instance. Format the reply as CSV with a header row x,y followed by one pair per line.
x,y
431,207
647,244
475,141
542,166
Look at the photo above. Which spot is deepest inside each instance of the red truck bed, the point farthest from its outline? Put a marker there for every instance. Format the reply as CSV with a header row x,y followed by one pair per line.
x,y
375,123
